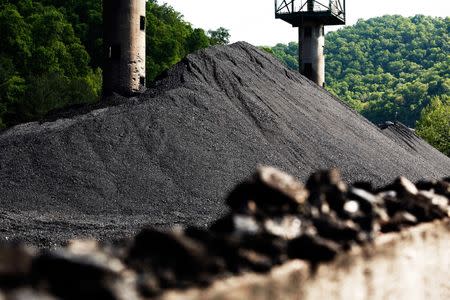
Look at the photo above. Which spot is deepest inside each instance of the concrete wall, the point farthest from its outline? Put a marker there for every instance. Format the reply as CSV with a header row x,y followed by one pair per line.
x,y
124,44
312,43
414,264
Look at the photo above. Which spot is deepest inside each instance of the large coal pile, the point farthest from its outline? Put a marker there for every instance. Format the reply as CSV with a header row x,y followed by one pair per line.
x,y
171,155
273,218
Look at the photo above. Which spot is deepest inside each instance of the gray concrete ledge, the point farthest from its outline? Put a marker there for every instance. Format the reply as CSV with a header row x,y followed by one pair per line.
x,y
413,264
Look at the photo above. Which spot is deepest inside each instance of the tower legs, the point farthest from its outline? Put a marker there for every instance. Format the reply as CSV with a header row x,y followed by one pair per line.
x,y
311,56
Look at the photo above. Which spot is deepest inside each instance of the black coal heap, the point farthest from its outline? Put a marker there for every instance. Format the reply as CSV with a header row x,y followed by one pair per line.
x,y
171,155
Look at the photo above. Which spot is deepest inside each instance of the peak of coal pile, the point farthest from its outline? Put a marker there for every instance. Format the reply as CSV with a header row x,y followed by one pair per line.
x,y
272,218
171,155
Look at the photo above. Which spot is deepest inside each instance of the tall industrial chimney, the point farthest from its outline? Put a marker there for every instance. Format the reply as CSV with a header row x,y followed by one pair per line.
x,y
124,46
311,16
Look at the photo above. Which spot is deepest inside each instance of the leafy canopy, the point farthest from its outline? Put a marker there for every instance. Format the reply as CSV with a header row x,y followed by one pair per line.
x,y
390,67
43,64
221,36
434,124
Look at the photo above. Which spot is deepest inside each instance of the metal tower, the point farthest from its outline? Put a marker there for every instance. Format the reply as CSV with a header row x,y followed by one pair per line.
x,y
311,16
124,46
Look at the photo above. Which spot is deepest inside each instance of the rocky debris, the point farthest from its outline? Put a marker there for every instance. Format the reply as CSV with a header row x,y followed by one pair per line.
x,y
173,258
64,274
270,192
84,276
313,248
272,218
15,266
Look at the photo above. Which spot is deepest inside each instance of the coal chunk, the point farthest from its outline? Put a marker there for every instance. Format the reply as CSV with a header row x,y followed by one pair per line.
x,y
223,248
270,192
15,265
404,187
337,230
443,188
175,259
327,191
71,276
399,221
312,248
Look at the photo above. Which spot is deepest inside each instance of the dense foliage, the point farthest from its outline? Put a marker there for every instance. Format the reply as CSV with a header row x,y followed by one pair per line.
x,y
390,66
43,64
434,124
220,36
87,21
51,52
387,68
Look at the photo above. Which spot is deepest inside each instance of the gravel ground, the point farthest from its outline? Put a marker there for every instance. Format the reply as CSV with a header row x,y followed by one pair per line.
x,y
272,218
171,155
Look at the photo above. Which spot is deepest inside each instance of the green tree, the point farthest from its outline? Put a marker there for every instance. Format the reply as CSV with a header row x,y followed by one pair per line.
x,y
197,40
220,36
15,33
434,124
43,64
392,66
87,21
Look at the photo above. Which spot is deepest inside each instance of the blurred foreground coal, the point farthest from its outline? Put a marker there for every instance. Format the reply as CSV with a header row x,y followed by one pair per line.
x,y
273,218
